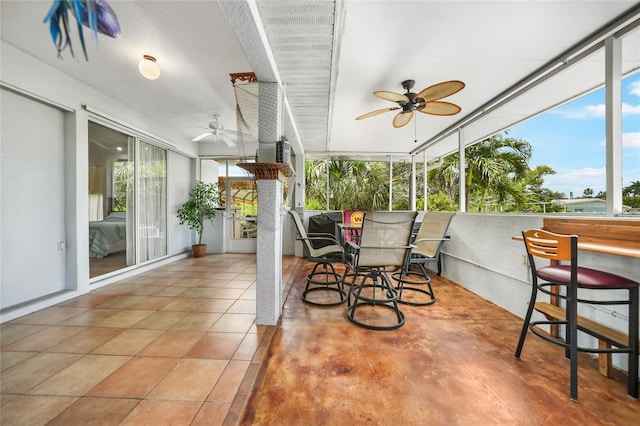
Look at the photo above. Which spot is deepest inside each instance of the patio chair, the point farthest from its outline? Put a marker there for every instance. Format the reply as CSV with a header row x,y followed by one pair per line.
x,y
326,222
563,281
323,277
431,236
384,246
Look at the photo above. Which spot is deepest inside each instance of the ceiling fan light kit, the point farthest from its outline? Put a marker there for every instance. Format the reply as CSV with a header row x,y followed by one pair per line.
x,y
426,101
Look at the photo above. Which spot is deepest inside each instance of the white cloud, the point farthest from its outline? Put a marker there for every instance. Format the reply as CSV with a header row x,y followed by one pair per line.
x,y
635,88
577,181
587,172
631,140
597,111
589,111
630,109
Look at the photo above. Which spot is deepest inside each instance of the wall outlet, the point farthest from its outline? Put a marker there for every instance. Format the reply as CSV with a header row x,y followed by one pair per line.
x,y
60,245
523,259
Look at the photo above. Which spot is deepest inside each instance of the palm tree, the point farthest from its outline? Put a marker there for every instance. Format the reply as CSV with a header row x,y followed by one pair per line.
x,y
493,167
633,190
316,184
353,185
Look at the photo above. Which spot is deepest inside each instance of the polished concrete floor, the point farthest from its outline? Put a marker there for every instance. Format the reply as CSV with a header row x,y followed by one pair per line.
x,y
178,345
452,363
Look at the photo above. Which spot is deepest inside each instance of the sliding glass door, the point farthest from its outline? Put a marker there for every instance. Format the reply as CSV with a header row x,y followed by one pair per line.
x,y
127,200
152,201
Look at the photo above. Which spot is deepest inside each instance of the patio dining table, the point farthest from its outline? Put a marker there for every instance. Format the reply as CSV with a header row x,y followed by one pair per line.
x,y
352,228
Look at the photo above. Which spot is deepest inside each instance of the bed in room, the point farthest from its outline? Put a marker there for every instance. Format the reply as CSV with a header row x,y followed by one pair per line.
x,y
108,235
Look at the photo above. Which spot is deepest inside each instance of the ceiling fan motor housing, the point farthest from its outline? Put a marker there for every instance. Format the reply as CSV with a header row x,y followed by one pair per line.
x,y
408,84
413,99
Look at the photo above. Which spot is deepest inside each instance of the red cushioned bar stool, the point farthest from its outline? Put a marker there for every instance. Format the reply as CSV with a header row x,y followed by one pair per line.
x,y
566,281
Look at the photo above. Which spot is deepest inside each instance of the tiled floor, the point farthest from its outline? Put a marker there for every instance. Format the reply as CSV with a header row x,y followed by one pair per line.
x,y
176,345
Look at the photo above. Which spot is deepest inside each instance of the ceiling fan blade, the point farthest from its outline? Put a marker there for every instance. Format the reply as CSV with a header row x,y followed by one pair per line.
x,y
376,112
402,119
226,139
441,90
440,108
391,96
202,136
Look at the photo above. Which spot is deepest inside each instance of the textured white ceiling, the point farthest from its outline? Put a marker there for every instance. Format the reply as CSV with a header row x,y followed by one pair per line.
x,y
331,56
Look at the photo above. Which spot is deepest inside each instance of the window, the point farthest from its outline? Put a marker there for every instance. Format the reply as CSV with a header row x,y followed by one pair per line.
x,y
127,200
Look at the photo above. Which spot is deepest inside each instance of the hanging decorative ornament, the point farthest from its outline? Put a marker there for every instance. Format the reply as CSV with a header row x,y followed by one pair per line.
x,y
94,14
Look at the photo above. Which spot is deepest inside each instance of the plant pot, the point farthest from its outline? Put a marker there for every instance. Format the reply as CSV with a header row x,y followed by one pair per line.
x,y
199,250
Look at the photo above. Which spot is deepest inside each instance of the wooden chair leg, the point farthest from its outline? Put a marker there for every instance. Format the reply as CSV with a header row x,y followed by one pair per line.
x,y
604,359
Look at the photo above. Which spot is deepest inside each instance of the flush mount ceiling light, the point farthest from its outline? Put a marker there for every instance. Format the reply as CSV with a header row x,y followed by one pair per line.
x,y
148,67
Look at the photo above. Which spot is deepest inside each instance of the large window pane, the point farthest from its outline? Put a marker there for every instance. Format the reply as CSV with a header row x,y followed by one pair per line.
x,y
152,178
111,183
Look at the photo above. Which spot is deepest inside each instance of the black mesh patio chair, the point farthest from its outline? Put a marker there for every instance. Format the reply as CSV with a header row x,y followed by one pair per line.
x,y
384,246
428,242
324,280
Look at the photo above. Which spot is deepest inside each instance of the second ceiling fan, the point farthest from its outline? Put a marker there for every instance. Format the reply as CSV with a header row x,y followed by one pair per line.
x,y
218,131
426,102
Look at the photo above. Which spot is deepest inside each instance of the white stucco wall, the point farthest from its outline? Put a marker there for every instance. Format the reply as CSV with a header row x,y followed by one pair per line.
x,y
39,83
483,258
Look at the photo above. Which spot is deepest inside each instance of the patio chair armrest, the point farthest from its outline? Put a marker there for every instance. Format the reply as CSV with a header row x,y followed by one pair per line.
x,y
353,245
410,246
317,236
446,238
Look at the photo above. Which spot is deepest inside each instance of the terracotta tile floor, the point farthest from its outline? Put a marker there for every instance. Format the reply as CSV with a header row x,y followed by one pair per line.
x,y
177,345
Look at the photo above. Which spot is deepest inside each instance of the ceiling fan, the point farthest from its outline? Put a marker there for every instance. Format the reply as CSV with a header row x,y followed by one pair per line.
x,y
218,131
426,101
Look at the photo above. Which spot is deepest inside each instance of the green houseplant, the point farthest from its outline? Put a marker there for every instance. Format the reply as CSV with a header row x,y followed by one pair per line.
x,y
203,201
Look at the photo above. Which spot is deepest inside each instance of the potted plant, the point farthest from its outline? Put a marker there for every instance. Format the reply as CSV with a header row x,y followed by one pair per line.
x,y
203,200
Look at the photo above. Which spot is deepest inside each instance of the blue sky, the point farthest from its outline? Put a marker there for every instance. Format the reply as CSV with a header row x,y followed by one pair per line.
x,y
571,140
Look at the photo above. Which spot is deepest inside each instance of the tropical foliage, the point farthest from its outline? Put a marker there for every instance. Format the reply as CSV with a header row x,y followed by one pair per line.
x,y
353,185
497,175
498,178
631,194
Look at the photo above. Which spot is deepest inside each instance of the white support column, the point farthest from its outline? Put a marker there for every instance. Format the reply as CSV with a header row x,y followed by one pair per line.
x,y
269,120
613,94
299,192
327,186
299,195
412,187
270,193
390,207
269,253
425,179
463,176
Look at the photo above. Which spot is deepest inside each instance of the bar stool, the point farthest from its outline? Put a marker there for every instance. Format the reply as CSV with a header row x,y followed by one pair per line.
x,y
563,281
